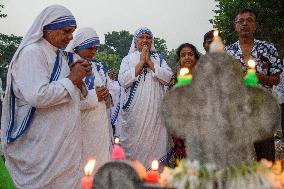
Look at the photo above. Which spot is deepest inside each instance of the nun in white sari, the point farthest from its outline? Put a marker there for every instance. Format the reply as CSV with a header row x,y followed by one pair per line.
x,y
41,136
142,76
95,118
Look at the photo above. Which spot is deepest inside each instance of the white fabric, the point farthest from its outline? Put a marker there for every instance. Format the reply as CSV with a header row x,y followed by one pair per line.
x,y
95,122
80,36
114,90
143,135
96,128
49,153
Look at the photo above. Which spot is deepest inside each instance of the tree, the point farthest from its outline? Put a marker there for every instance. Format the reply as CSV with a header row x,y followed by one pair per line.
x,y
8,46
119,42
112,60
171,60
160,45
2,15
270,16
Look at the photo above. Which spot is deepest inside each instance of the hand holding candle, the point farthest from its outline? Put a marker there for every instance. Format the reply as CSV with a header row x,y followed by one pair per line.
x,y
184,77
251,78
87,180
153,175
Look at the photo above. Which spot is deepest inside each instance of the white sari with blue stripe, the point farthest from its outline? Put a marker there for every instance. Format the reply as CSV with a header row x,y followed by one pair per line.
x,y
143,134
97,141
53,140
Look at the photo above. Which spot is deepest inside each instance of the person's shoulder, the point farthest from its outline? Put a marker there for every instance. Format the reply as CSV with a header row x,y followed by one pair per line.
x,y
33,48
264,43
128,56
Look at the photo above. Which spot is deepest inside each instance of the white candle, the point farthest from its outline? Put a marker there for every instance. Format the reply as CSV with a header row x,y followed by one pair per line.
x,y
217,43
251,64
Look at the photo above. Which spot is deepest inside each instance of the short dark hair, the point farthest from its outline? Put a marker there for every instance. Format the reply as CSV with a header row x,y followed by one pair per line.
x,y
249,10
209,34
184,45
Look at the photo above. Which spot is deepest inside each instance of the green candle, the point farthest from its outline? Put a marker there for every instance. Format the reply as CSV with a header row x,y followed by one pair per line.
x,y
184,78
251,78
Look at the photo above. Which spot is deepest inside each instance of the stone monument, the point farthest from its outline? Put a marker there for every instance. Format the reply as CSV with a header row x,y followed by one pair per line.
x,y
217,115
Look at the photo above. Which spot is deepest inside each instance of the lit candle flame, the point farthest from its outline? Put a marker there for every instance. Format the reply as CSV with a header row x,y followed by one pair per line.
x,y
155,165
215,33
90,167
183,71
251,64
116,140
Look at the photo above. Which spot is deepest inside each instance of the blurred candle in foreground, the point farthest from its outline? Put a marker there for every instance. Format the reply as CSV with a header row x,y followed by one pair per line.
x,y
251,78
117,150
217,44
87,180
184,77
153,175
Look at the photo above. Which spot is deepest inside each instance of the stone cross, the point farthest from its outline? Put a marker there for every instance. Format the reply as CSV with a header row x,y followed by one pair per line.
x,y
217,115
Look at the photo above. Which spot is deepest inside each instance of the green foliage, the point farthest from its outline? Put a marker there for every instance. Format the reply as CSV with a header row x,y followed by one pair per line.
x,y
171,60
270,16
160,45
2,15
112,60
8,46
118,42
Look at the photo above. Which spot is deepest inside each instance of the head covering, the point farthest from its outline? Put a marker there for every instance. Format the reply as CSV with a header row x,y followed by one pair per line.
x,y
84,38
136,35
35,33
49,16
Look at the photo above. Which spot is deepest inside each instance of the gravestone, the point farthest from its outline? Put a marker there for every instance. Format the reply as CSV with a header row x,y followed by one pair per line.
x,y
217,115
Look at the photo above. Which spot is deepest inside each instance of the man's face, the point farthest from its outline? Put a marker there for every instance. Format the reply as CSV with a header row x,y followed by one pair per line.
x,y
144,39
60,37
206,44
245,24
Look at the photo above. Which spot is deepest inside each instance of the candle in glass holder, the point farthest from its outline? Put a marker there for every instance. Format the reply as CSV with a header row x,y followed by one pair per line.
x,y
117,150
217,44
153,174
87,180
251,78
184,77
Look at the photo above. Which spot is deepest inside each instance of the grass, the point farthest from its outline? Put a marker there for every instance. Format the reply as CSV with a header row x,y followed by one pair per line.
x,y
6,181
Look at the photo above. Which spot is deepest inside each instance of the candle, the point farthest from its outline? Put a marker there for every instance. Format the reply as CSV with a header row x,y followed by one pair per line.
x,y
153,175
217,43
117,150
251,78
184,77
87,180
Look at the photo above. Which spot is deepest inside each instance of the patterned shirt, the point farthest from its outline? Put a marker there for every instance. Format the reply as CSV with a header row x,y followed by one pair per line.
x,y
263,53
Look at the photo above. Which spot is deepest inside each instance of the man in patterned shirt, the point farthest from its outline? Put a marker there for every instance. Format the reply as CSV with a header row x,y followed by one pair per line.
x,y
268,64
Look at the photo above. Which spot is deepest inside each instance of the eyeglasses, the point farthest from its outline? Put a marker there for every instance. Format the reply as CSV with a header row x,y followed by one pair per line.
x,y
243,21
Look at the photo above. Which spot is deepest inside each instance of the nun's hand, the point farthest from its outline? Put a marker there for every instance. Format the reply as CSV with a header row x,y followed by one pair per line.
x,y
79,70
102,93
